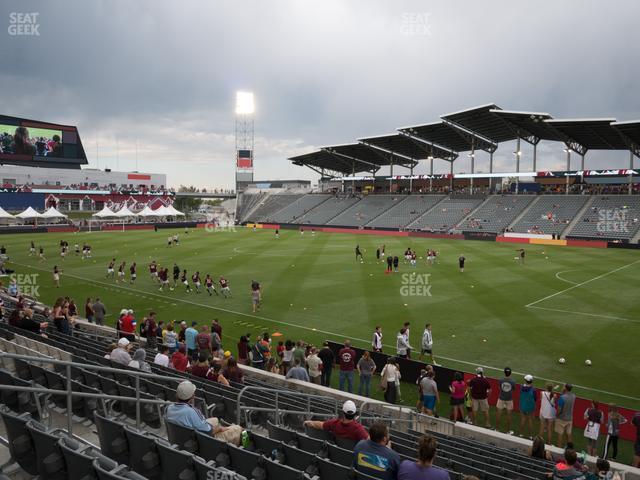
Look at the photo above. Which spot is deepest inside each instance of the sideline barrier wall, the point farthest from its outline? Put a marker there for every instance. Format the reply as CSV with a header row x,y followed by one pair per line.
x,y
410,370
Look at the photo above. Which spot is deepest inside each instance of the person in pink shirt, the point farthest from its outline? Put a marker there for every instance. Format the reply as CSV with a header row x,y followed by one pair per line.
x,y
457,389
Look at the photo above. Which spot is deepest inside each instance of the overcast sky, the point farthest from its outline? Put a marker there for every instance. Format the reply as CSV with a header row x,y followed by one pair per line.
x,y
163,74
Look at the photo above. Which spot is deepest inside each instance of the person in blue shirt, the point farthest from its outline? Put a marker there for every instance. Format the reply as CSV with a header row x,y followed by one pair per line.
x,y
190,335
183,412
528,399
373,457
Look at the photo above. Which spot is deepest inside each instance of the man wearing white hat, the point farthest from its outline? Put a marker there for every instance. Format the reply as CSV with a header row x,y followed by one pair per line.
x,y
183,413
120,354
345,427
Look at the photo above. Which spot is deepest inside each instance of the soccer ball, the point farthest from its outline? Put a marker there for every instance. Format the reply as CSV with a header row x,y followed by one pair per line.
x,y
587,362
561,360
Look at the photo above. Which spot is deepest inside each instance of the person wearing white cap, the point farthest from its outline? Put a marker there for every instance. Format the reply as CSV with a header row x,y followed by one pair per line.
x,y
480,389
528,399
344,427
120,354
183,413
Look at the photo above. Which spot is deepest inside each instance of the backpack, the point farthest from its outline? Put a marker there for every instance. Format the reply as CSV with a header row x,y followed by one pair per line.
x,y
258,356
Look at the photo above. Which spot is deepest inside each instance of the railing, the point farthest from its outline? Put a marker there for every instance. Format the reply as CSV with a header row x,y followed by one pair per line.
x,y
69,393
407,416
278,410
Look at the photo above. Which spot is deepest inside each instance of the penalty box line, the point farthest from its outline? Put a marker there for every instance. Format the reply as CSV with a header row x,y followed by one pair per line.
x,y
325,332
577,285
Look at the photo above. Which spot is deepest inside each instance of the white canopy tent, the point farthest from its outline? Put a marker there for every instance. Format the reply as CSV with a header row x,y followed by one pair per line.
x,y
29,213
5,214
104,213
53,213
124,212
147,212
161,211
173,212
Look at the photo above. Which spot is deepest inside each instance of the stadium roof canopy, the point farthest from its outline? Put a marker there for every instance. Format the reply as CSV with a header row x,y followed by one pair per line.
x,y
352,158
404,145
630,131
478,128
590,134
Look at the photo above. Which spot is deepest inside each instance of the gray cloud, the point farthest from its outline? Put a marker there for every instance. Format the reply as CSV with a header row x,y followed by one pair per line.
x,y
324,72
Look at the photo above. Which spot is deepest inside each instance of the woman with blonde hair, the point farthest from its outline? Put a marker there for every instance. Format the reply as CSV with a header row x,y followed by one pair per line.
x,y
547,412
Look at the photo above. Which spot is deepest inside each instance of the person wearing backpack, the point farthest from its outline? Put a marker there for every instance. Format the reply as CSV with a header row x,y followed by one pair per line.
x,y
150,329
261,352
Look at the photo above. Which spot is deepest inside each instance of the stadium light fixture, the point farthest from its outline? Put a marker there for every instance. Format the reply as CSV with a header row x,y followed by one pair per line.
x,y
518,153
244,103
430,157
471,155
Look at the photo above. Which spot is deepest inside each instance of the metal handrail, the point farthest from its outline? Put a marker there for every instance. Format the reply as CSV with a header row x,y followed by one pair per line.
x,y
69,393
277,408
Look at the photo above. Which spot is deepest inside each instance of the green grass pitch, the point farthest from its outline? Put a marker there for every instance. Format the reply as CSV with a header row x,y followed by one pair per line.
x,y
314,289
583,303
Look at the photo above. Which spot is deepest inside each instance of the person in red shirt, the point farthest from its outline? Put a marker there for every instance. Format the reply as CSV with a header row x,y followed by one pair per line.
x,y
480,389
347,361
203,341
179,360
346,427
128,326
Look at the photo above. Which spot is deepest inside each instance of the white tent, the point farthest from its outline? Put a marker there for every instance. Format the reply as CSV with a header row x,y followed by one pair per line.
x,y
104,213
124,212
4,213
172,211
29,213
147,212
161,211
53,213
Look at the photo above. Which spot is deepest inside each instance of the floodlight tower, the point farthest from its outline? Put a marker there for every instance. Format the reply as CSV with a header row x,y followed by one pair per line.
x,y
244,137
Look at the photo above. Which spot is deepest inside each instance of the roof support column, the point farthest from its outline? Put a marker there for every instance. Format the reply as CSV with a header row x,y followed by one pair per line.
x,y
411,180
517,153
582,161
568,169
473,158
391,174
322,180
353,174
431,175
535,155
451,177
490,169
631,174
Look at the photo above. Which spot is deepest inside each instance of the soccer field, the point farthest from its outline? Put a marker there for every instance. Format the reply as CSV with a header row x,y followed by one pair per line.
x,y
576,303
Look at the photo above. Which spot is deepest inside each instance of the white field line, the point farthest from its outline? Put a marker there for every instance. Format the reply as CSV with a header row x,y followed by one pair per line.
x,y
325,332
564,279
582,283
597,315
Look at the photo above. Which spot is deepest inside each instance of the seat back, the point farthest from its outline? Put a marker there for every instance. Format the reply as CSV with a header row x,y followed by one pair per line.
x,y
143,455
333,471
319,434
78,458
266,446
246,463
176,464
340,455
113,441
300,460
49,459
345,443
282,434
210,448
183,437
310,444
277,471
21,446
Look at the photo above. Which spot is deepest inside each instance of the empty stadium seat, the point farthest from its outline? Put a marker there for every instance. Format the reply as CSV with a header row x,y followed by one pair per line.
x,y
212,449
247,463
78,458
49,459
319,434
277,471
21,447
282,434
175,464
107,469
113,441
183,437
143,456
